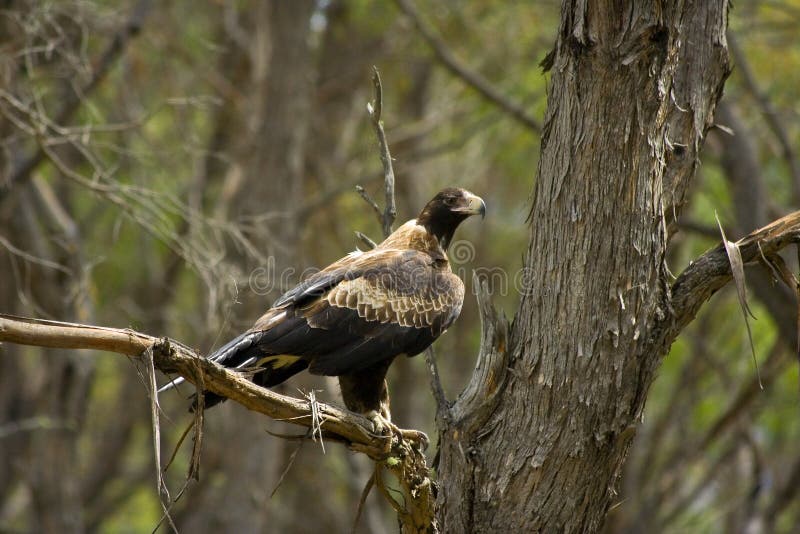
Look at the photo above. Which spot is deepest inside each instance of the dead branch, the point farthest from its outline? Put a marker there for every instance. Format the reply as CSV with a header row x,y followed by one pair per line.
x,y
170,356
417,512
375,110
711,271
403,458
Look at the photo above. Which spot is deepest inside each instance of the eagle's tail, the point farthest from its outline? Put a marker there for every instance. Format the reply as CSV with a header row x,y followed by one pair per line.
x,y
244,352
224,356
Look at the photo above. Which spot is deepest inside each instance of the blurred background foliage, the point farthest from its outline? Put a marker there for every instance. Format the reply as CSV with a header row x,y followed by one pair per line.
x,y
162,165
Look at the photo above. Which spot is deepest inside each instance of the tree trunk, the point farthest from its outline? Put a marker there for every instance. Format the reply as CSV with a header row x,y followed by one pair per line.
x,y
536,442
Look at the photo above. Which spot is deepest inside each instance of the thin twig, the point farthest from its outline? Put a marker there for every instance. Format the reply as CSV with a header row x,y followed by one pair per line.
x,y
375,110
442,404
364,494
73,101
316,419
289,465
369,243
385,492
368,199
177,447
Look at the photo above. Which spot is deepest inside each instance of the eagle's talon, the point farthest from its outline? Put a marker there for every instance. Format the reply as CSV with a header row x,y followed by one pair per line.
x,y
416,436
383,427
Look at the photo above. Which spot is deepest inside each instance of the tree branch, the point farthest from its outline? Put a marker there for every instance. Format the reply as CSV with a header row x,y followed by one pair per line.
x,y
403,457
73,101
472,78
375,110
711,271
170,356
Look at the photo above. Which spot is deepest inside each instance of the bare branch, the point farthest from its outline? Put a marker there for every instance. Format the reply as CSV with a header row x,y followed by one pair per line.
x,y
368,199
170,356
387,220
417,513
472,78
375,110
711,271
403,457
73,101
369,243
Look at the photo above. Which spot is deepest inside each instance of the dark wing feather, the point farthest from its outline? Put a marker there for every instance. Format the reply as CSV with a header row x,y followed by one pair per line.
x,y
350,319
359,311
319,283
399,306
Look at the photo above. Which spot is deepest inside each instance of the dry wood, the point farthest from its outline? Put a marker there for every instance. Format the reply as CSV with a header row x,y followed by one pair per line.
x,y
402,457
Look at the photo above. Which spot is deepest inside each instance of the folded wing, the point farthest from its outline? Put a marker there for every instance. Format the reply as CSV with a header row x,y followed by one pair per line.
x,y
360,311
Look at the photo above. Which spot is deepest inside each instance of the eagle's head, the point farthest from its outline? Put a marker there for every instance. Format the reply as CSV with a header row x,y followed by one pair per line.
x,y
442,215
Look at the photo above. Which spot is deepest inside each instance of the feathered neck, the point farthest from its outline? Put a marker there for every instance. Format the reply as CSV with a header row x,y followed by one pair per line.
x,y
413,235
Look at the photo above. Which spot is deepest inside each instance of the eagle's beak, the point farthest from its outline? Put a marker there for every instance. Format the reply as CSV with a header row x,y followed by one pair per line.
x,y
475,205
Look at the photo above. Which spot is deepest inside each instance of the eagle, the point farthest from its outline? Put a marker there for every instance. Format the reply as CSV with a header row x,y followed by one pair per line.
x,y
354,317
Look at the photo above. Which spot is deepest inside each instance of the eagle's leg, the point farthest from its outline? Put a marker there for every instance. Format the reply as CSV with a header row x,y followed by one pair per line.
x,y
366,392
381,416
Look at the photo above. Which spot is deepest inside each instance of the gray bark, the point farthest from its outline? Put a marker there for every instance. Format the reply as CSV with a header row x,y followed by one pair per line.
x,y
537,442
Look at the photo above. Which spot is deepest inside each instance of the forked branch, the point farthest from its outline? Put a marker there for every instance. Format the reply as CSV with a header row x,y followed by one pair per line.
x,y
711,271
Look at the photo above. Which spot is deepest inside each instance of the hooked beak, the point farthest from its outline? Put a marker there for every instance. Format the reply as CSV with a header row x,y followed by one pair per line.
x,y
475,205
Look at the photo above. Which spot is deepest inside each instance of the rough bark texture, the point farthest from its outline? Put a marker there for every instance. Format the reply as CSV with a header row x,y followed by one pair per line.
x,y
632,93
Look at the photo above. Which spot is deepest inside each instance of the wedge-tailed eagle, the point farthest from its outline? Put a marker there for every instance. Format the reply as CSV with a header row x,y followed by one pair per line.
x,y
354,317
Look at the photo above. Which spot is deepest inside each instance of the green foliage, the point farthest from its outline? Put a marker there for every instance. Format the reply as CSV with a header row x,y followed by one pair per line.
x,y
185,100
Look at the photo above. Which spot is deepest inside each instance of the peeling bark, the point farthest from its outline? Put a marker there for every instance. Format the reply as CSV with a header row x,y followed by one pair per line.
x,y
632,93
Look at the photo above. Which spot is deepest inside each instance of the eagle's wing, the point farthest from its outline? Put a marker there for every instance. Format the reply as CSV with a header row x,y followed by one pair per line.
x,y
398,305
361,310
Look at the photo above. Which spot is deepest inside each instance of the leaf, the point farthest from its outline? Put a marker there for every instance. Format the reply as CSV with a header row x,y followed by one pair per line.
x,y
737,270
